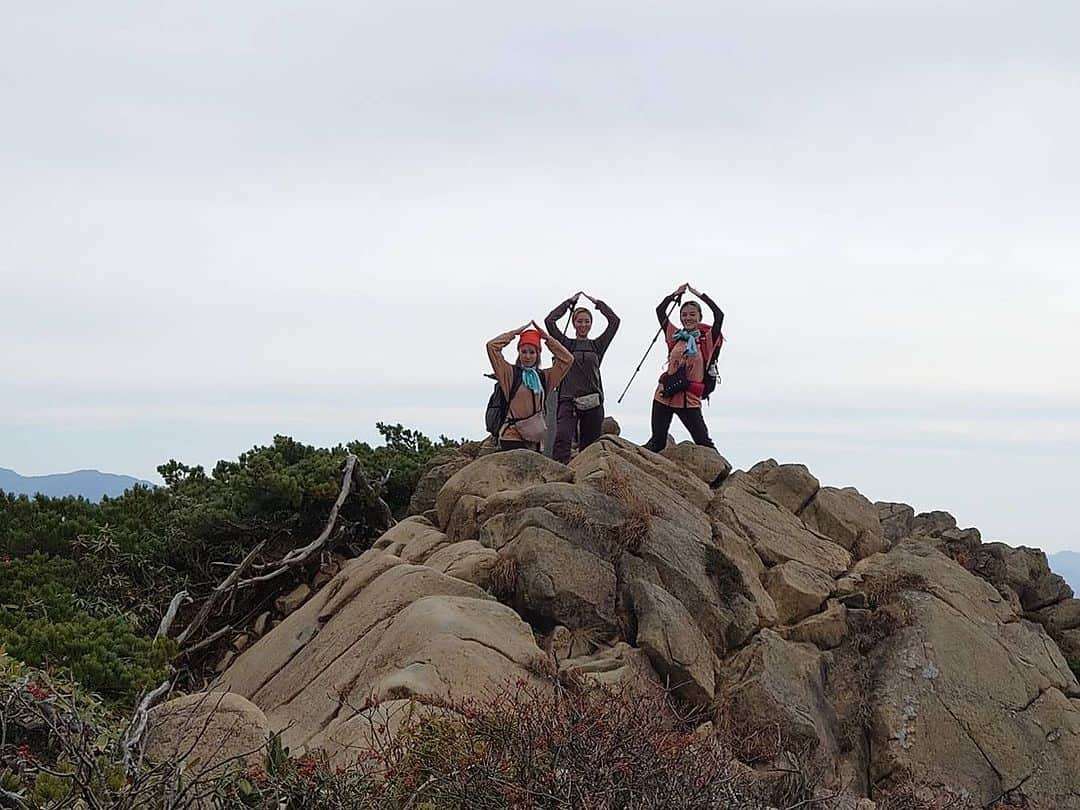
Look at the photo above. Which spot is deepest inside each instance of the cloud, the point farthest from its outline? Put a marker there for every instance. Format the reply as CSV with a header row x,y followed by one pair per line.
x,y
222,222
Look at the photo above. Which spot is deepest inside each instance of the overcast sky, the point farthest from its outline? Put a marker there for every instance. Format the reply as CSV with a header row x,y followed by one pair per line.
x,y
223,221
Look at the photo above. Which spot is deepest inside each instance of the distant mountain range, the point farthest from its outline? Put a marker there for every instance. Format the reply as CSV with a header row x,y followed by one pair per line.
x,y
90,484
1067,563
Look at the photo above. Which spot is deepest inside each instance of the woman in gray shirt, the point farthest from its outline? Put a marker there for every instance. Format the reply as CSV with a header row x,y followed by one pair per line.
x,y
581,393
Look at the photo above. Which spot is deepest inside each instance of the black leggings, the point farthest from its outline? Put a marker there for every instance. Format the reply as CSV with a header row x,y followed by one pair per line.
x,y
690,417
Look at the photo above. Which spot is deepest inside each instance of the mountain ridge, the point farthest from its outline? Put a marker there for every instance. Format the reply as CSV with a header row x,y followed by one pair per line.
x,y
92,485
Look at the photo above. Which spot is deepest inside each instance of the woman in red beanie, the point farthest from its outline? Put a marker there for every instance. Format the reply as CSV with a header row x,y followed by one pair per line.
x,y
524,383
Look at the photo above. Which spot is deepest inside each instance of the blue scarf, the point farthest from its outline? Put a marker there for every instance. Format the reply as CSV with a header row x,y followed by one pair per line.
x,y
531,379
691,339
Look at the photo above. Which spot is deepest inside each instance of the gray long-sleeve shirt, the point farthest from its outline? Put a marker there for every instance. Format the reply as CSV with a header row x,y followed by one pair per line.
x,y
584,376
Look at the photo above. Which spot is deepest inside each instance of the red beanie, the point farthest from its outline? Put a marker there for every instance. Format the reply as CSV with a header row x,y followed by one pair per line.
x,y
530,337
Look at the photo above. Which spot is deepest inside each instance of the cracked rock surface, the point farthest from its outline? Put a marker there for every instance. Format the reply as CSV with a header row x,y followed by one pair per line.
x,y
878,641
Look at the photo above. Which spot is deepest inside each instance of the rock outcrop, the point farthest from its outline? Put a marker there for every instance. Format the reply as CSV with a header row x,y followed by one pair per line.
x,y
207,734
881,643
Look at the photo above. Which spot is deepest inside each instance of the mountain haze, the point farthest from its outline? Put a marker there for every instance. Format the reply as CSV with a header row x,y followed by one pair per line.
x,y
1067,563
90,484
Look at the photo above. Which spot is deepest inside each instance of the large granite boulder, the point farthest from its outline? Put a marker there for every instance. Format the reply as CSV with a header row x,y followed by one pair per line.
x,y
964,694
676,647
619,666
583,516
896,520
933,522
1060,617
381,630
826,630
413,539
434,478
773,688
467,560
673,543
848,519
1024,570
563,583
207,735
704,462
773,531
797,590
644,463
465,491
792,486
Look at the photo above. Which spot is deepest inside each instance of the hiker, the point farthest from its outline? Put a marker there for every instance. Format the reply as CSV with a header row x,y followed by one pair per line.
x,y
524,384
581,393
682,385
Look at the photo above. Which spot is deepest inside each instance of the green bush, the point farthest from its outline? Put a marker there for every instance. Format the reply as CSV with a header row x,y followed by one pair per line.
x,y
405,454
1074,665
44,625
84,585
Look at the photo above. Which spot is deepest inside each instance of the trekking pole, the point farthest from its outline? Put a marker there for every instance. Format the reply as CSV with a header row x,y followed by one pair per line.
x,y
674,304
569,318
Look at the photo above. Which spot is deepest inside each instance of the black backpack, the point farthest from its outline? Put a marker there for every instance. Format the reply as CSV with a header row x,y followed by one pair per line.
x,y
498,405
712,373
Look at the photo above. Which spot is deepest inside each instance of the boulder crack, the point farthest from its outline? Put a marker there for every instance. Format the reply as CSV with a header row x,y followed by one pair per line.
x,y
969,735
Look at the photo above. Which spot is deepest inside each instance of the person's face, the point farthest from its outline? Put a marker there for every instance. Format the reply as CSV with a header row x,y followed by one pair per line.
x,y
690,316
527,356
582,324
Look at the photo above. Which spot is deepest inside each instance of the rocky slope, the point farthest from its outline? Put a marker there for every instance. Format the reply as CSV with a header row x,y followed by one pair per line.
x,y
884,645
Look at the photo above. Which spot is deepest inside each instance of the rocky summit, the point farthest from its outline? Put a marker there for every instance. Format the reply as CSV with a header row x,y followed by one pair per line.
x,y
884,645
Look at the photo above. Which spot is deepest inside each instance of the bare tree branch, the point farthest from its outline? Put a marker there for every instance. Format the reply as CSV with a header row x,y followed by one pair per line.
x,y
133,737
300,556
170,614
223,587
206,642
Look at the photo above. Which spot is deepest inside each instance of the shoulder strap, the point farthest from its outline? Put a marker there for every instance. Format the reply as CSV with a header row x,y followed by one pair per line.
x,y
716,349
515,384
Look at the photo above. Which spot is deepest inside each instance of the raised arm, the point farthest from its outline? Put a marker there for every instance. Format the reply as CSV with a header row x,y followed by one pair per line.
x,y
612,325
718,314
552,320
504,372
563,359
661,308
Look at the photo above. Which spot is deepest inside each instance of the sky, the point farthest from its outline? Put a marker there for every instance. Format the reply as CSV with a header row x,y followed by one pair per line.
x,y
227,221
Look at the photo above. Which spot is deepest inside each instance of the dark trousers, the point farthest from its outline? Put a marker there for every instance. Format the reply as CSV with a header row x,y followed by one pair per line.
x,y
690,417
570,422
505,444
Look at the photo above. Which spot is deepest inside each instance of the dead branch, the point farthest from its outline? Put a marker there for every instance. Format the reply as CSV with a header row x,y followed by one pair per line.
x,y
223,588
15,798
386,515
133,737
170,614
206,642
300,556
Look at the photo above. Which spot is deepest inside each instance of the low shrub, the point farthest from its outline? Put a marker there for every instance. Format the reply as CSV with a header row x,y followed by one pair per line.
x,y
83,585
44,625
